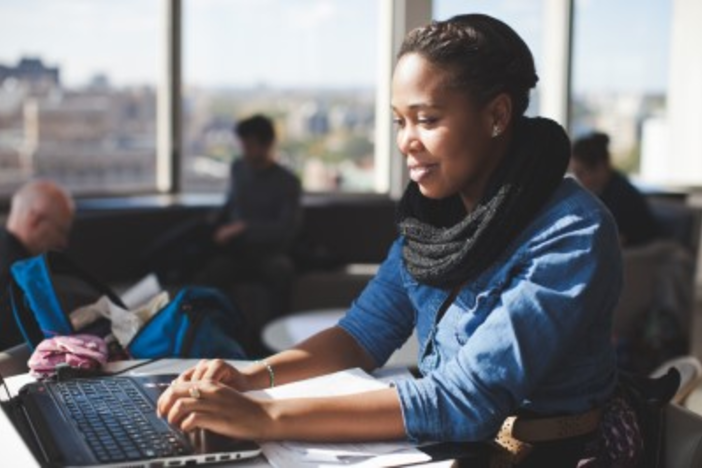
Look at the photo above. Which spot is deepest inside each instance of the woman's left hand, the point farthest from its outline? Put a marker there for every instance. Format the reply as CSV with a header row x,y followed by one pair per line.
x,y
214,406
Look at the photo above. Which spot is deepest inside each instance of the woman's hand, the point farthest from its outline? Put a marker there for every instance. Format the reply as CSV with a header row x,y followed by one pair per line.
x,y
216,370
212,405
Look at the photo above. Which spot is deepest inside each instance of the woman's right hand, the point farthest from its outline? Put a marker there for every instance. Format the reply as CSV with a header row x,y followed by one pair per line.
x,y
216,370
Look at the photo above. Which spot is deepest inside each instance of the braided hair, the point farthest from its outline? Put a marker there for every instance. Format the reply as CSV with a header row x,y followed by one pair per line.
x,y
483,56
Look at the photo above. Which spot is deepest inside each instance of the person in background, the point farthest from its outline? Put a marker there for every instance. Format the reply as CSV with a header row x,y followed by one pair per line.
x,y
508,271
40,219
261,217
592,166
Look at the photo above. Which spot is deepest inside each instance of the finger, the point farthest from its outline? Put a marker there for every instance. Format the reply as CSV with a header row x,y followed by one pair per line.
x,y
181,408
176,391
219,417
199,370
207,419
217,370
179,397
195,420
186,375
211,417
165,401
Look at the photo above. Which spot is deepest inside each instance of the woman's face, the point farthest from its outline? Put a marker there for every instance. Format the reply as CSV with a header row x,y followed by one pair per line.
x,y
446,140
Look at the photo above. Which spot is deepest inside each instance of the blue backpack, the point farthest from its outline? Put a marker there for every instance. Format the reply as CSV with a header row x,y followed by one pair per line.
x,y
198,322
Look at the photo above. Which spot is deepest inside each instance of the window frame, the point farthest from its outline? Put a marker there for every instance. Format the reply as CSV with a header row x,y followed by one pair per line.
x,y
396,18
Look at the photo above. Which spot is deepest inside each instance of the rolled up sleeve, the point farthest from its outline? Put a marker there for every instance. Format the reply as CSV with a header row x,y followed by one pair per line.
x,y
382,318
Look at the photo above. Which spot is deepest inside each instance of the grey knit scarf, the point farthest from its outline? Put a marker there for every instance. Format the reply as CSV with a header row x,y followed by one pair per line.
x,y
446,246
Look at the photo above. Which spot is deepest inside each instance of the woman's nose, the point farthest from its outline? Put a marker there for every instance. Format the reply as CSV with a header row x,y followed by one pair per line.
x,y
408,140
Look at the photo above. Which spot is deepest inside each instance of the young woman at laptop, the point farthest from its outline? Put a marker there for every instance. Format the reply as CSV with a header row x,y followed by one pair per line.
x,y
508,271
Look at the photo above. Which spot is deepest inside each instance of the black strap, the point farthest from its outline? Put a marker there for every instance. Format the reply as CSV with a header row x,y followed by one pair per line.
x,y
58,262
442,310
449,300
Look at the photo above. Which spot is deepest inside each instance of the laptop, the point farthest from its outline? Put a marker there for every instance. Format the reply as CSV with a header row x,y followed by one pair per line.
x,y
110,421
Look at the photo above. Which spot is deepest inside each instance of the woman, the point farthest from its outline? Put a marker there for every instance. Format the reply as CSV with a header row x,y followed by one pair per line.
x,y
508,272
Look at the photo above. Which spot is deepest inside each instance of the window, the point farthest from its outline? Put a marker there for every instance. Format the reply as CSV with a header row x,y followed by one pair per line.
x,y
620,79
524,16
308,64
78,93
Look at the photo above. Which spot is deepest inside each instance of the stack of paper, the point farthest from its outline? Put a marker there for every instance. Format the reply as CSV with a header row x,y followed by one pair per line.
x,y
317,455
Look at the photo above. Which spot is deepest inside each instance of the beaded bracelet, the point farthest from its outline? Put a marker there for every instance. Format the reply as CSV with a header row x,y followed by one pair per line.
x,y
269,368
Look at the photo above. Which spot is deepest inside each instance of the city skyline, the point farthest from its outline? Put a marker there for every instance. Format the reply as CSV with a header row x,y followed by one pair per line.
x,y
128,51
300,87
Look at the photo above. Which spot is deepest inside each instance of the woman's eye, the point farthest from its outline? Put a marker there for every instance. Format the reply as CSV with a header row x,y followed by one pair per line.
x,y
398,122
427,120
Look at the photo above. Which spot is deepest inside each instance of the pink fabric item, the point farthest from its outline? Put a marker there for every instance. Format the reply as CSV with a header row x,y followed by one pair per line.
x,y
82,351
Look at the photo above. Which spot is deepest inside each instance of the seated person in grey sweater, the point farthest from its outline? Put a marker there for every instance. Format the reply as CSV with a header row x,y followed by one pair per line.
x,y
259,220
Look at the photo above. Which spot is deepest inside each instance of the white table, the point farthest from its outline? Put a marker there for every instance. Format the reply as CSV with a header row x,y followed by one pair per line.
x,y
14,383
285,332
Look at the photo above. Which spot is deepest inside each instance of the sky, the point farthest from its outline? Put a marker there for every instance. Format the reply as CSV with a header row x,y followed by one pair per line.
x,y
307,42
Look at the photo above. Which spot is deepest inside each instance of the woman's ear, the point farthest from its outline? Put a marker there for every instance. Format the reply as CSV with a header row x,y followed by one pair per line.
x,y
500,113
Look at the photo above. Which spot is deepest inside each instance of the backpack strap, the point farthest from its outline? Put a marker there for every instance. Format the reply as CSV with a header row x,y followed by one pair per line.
x,y
61,263
26,323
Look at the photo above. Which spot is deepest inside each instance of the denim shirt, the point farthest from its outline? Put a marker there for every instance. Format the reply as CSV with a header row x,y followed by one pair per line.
x,y
530,334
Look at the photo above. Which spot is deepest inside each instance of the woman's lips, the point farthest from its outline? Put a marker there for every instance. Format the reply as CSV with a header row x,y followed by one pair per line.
x,y
419,172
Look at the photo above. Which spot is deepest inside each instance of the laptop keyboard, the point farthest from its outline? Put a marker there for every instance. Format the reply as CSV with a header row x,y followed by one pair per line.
x,y
117,421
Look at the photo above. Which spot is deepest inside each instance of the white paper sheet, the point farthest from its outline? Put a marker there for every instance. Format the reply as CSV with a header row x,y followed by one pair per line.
x,y
317,455
141,292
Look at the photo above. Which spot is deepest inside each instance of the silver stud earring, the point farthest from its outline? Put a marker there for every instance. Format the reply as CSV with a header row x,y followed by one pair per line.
x,y
495,131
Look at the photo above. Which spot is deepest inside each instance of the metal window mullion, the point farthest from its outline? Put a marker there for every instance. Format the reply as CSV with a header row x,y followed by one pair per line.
x,y
397,18
169,134
555,87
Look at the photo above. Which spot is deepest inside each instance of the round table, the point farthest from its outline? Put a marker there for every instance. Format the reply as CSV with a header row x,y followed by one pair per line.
x,y
284,332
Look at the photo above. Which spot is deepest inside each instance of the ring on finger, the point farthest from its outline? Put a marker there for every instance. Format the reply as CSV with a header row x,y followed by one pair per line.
x,y
195,392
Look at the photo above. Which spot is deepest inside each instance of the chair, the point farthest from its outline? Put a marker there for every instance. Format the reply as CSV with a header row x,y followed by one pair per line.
x,y
690,369
655,310
678,221
683,437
